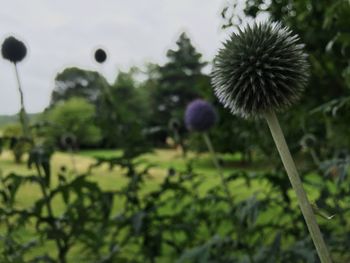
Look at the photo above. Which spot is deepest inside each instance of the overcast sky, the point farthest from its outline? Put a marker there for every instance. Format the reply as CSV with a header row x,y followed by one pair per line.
x,y
65,33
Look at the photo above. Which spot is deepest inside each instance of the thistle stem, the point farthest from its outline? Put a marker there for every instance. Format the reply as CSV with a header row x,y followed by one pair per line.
x,y
297,185
179,141
62,250
22,114
217,165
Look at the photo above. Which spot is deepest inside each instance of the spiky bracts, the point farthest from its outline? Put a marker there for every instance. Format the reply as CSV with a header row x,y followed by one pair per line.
x,y
261,68
100,55
200,116
13,50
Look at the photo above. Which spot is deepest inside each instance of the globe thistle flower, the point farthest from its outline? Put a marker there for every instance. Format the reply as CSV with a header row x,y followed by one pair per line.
x,y
260,70
263,67
13,50
100,55
200,116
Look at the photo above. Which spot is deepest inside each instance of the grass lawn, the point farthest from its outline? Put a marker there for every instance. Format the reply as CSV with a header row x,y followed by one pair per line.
x,y
162,160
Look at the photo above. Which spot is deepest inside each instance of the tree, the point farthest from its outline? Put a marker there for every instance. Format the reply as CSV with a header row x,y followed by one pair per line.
x,y
122,113
74,117
180,81
75,82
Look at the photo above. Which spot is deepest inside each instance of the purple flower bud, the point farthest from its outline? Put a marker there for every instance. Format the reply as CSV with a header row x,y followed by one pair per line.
x,y
200,116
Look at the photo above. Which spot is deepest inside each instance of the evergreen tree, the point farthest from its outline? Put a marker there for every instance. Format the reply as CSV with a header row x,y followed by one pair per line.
x,y
180,81
121,114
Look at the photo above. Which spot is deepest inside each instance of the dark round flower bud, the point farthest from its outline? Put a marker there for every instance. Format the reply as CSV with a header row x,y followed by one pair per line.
x,y
174,124
100,55
68,141
200,116
13,50
171,171
261,68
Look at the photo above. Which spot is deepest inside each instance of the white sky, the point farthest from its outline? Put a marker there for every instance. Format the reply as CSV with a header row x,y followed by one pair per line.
x,y
65,33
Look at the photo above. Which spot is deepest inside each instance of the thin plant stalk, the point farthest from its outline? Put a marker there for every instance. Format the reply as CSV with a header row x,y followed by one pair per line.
x,y
217,165
224,184
22,114
72,158
179,141
61,247
297,185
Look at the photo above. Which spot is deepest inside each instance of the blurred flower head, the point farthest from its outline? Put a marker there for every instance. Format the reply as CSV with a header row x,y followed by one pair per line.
x,y
100,55
68,141
174,124
200,116
261,68
13,50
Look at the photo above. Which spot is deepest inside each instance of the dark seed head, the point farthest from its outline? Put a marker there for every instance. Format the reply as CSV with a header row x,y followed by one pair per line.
x,y
100,55
174,124
13,50
68,141
261,68
200,116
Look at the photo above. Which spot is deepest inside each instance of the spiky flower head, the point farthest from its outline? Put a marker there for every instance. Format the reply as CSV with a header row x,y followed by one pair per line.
x,y
13,50
100,55
200,116
261,68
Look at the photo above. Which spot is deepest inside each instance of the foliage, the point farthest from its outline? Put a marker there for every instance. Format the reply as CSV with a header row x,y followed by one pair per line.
x,y
13,135
178,220
180,81
75,82
122,114
75,116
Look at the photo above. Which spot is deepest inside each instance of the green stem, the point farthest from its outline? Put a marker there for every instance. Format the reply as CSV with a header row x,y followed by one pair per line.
x,y
60,246
297,185
23,115
226,188
179,141
218,166
71,155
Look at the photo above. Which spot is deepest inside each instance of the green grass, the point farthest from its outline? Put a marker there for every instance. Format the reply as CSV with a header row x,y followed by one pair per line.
x,y
113,179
